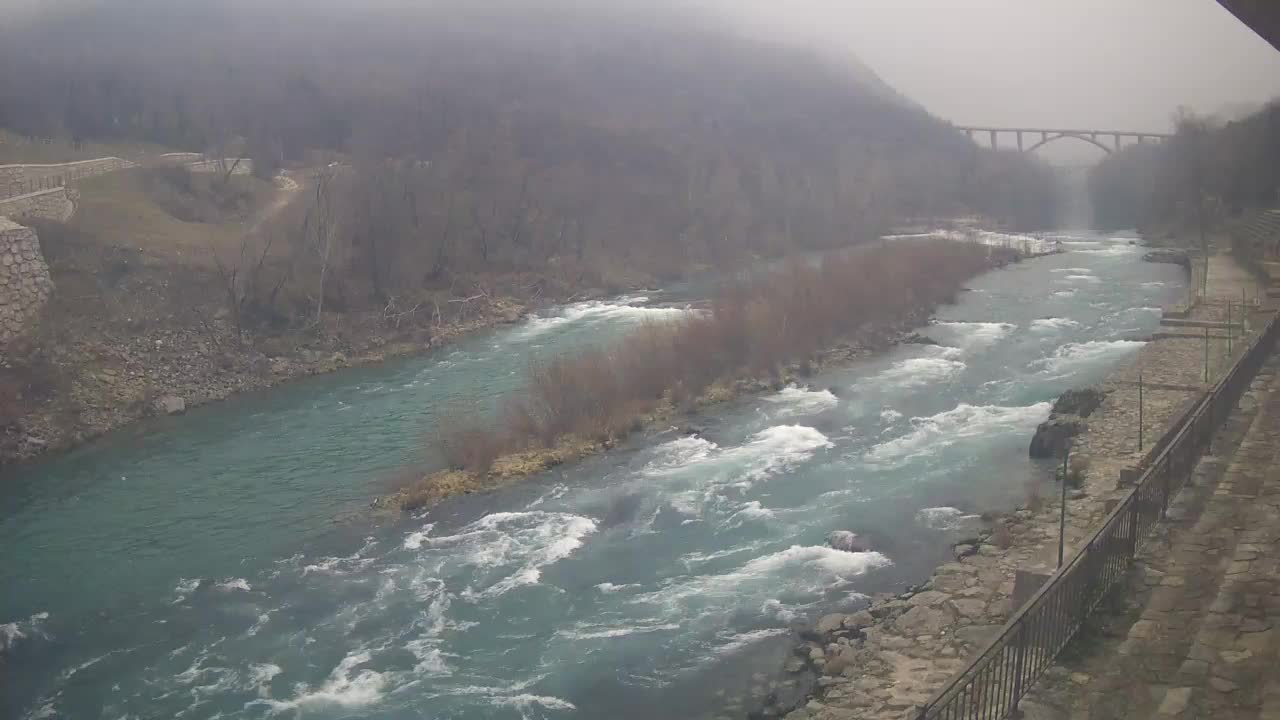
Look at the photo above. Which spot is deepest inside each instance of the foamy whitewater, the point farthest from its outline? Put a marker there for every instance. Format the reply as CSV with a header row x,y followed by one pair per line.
x,y
230,567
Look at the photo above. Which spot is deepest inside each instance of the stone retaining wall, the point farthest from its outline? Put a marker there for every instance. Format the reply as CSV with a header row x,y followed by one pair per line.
x,y
243,166
24,278
181,158
25,179
56,204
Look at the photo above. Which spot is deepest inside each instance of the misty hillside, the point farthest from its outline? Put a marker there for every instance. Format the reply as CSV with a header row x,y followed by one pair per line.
x,y
637,126
1208,172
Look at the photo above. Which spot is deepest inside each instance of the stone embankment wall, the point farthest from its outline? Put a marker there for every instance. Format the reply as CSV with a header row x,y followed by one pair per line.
x,y
24,278
56,204
26,179
181,158
241,166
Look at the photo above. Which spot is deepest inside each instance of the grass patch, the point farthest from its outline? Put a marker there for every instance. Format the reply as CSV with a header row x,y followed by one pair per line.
x,y
117,210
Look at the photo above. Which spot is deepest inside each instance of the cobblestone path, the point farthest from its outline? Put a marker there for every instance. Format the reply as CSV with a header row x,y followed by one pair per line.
x,y
1198,635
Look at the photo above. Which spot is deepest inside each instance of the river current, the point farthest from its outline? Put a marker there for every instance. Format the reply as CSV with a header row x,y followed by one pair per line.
x,y
221,564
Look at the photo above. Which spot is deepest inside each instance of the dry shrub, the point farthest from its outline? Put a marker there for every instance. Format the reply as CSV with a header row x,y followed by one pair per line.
x,y
754,326
466,442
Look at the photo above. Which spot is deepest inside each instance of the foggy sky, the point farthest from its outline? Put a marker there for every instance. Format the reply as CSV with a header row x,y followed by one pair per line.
x,y
1123,64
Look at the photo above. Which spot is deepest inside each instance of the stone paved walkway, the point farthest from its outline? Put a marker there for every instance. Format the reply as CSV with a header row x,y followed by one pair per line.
x,y
881,663
1198,636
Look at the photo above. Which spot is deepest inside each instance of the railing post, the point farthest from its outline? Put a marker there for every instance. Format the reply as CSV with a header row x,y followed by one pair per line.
x,y
1208,431
1019,666
1168,468
1206,356
1133,525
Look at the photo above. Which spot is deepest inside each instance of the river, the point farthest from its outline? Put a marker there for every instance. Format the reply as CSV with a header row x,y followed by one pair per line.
x,y
219,565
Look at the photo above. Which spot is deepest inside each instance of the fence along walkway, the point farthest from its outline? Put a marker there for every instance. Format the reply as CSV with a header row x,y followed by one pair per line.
x,y
25,179
1191,635
1004,671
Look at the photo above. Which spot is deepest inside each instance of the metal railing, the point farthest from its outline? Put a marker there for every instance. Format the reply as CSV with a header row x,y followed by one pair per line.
x,y
999,676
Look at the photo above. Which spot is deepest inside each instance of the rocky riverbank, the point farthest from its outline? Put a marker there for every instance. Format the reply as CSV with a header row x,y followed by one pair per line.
x,y
79,385
886,660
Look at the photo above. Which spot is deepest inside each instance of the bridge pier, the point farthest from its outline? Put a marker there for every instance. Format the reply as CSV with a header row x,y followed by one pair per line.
x,y
1118,136
1019,141
995,145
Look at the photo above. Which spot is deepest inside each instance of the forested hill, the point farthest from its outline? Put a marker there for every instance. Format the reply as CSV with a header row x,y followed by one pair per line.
x,y
1208,173
645,126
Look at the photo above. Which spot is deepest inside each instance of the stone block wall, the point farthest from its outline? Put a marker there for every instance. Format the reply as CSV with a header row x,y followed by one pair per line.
x,y
24,179
181,158
243,167
24,279
56,204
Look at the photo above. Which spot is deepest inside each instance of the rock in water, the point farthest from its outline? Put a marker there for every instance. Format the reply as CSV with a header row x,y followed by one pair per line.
x,y
918,339
848,542
171,405
1066,420
1078,401
1054,436
1169,255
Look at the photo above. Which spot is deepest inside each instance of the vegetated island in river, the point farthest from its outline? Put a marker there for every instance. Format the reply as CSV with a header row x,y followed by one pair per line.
x,y
758,333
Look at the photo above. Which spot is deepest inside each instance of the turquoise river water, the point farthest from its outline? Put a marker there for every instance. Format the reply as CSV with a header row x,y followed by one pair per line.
x,y
220,564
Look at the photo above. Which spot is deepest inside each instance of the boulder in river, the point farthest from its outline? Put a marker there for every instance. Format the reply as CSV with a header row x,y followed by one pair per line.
x,y
1066,420
1169,255
1054,436
1078,401
848,541
918,339
170,405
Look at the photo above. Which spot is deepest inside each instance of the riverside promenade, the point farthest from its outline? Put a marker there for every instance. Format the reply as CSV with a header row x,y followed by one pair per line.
x,y
887,661
1193,632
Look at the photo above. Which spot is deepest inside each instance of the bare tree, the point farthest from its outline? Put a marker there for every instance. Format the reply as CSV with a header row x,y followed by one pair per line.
x,y
240,276
320,231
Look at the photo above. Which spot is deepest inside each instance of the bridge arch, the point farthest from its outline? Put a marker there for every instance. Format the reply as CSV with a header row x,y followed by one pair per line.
x,y
1048,135
1078,136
